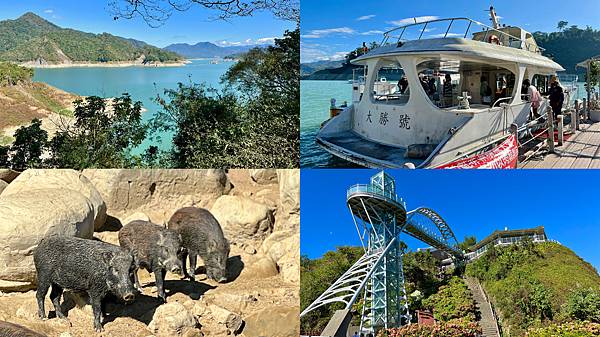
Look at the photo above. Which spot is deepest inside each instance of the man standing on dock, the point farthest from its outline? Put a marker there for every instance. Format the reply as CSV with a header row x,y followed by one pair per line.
x,y
556,96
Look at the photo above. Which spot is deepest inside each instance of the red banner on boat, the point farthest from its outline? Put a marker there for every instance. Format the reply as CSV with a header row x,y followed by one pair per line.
x,y
503,156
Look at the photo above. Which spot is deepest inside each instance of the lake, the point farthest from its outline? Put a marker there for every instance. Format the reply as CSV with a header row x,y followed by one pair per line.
x,y
315,99
142,83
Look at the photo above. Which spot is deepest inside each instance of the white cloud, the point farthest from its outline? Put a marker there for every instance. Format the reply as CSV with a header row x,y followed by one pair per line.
x,y
49,11
318,33
372,32
340,55
266,40
365,17
246,42
417,19
447,35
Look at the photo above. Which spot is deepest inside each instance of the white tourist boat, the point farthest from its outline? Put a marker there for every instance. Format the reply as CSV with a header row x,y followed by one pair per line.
x,y
423,124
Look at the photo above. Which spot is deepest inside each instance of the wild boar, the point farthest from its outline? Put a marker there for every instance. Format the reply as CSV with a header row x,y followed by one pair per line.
x,y
14,330
202,235
154,248
95,267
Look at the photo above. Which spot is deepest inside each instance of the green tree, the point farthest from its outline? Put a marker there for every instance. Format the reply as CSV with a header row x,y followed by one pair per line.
x,y
269,81
29,145
206,126
562,25
101,137
467,243
254,122
4,157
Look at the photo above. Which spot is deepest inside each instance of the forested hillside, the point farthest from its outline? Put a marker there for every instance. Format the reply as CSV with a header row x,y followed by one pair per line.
x,y
541,289
570,46
535,285
30,38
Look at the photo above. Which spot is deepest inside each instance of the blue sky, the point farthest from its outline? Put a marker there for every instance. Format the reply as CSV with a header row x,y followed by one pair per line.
x,y
195,25
473,202
332,28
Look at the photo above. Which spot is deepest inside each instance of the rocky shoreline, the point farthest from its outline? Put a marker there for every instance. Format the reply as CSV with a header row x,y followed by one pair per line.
x,y
259,213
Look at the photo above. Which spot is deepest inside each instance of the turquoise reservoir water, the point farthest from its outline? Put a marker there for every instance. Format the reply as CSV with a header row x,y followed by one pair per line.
x,y
315,99
314,110
142,83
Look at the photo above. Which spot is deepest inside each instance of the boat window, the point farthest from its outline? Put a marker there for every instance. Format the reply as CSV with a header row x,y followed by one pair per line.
x,y
541,82
461,84
390,85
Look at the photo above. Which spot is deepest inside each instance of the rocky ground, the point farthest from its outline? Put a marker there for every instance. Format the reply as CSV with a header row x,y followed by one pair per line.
x,y
258,210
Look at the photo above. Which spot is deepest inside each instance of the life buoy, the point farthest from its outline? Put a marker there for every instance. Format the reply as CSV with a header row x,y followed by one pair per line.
x,y
494,39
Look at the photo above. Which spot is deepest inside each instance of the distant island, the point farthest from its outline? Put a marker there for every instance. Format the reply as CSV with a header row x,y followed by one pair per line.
x,y
35,42
567,47
208,50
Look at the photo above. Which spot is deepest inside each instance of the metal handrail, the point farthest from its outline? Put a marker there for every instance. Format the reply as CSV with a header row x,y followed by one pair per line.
x,y
486,28
501,99
368,188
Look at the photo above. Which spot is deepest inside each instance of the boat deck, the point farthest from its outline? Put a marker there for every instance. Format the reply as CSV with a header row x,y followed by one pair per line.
x,y
580,151
351,141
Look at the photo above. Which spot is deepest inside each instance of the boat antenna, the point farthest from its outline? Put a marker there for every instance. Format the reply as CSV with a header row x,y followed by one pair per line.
x,y
494,18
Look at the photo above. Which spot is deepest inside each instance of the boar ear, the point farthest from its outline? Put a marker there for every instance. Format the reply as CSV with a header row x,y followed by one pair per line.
x,y
107,256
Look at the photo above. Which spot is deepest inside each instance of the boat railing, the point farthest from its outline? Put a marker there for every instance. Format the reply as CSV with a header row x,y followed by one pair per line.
x,y
397,33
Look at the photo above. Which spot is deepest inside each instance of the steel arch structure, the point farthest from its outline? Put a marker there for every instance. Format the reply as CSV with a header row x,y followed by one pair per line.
x,y
377,277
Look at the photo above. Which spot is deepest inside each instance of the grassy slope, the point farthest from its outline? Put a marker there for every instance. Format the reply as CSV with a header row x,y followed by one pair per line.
x,y
22,103
556,267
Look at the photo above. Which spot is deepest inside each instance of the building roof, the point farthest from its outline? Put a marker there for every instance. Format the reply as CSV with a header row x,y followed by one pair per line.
x,y
507,233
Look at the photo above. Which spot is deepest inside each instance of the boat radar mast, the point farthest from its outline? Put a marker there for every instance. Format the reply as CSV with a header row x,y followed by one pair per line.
x,y
494,18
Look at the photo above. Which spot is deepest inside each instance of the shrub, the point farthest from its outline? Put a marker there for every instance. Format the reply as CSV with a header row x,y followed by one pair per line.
x,y
571,329
584,304
452,301
461,329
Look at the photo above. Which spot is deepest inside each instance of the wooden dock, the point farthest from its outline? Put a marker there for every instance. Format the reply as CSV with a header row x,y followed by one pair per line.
x,y
580,151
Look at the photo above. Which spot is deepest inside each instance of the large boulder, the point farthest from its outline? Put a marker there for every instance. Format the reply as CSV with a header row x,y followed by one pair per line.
x,y
264,176
172,319
289,190
3,185
283,247
31,180
25,218
157,193
244,221
273,321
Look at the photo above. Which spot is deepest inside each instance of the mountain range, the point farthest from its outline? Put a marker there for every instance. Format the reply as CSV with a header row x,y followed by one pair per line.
x,y
32,39
207,50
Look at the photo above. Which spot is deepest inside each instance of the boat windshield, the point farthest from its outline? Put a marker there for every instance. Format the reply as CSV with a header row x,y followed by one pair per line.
x,y
390,86
448,82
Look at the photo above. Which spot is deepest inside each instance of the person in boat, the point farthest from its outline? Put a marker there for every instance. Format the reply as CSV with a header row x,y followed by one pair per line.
x,y
485,91
533,96
556,96
365,48
424,83
447,91
403,84
503,90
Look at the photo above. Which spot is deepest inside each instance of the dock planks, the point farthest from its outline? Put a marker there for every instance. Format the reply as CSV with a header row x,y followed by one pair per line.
x,y
580,151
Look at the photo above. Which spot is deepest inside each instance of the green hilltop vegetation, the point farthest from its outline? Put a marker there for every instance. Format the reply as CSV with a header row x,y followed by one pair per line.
x,y
568,46
542,290
533,286
32,38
